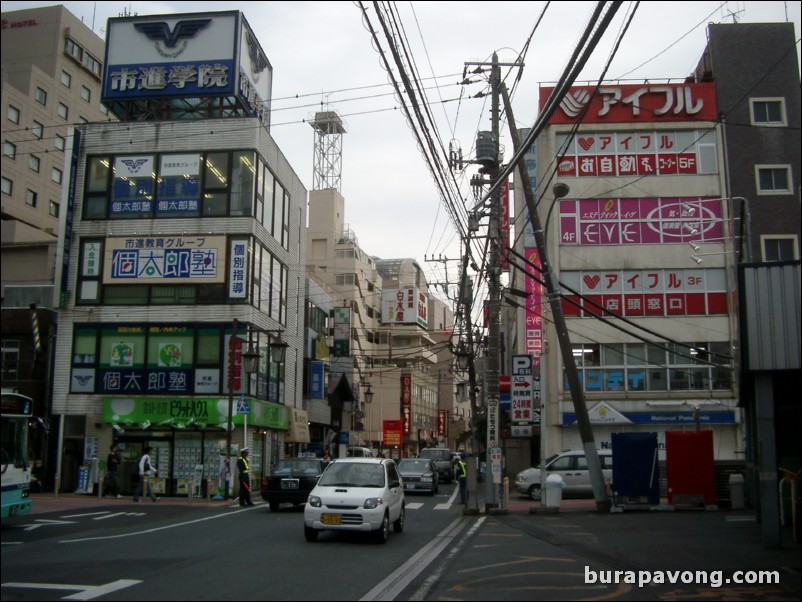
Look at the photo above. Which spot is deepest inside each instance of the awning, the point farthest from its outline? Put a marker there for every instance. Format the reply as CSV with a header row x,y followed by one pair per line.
x,y
299,426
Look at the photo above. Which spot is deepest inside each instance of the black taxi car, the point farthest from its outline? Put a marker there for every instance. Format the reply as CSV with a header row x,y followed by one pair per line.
x,y
291,481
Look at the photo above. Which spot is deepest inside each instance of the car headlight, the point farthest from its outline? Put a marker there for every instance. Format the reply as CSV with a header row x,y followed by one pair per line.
x,y
372,502
314,501
520,479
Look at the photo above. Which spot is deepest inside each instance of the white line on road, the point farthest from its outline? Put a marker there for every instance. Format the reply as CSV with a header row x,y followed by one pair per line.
x,y
395,583
110,516
450,501
414,506
155,529
84,592
83,515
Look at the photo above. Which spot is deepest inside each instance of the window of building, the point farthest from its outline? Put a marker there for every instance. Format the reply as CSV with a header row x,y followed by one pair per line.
x,y
63,110
780,248
82,119
10,150
86,94
768,111
643,368
30,198
7,186
773,179
34,163
54,209
13,114
66,79
56,175
208,184
41,96
59,142
10,358
38,130
103,110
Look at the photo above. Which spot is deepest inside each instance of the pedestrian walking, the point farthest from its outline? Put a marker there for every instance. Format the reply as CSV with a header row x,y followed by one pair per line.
x,y
112,485
146,471
244,478
462,479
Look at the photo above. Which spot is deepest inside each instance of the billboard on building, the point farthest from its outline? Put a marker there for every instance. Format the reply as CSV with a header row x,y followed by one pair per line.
x,y
635,103
172,259
193,55
405,306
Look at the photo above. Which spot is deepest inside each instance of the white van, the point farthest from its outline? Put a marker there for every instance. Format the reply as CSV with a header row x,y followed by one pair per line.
x,y
359,452
572,466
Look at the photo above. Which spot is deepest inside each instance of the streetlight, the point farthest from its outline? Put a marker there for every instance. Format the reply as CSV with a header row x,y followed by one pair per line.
x,y
237,361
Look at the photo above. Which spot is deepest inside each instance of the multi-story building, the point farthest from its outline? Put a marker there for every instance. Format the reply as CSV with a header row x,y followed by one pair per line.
x,y
51,68
755,70
646,176
383,338
182,262
671,185
51,71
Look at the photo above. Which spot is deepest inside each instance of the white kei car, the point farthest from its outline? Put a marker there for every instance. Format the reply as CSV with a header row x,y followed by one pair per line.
x,y
356,494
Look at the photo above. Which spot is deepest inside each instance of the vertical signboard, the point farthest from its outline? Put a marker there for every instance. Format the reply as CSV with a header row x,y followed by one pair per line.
x,y
342,331
522,388
406,403
504,224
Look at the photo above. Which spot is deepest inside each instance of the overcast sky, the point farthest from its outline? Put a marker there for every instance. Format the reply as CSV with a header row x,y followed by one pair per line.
x,y
323,58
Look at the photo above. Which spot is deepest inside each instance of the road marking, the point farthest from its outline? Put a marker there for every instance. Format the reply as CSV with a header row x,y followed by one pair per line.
x,y
399,579
83,515
414,506
42,522
155,529
110,516
84,592
450,502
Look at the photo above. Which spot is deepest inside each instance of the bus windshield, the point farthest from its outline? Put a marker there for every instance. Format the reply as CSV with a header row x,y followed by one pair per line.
x,y
13,438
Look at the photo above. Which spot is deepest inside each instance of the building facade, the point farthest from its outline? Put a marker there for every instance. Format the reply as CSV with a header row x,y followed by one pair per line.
x,y
182,261
647,186
383,341
51,69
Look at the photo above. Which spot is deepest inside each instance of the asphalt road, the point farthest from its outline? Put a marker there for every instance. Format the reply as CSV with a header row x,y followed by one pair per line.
x,y
149,551
81,548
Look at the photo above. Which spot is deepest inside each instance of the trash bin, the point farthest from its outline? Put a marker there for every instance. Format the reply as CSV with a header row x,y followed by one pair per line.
x,y
553,490
736,484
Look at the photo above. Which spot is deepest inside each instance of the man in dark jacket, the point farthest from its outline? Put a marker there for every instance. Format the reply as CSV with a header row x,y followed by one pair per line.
x,y
244,478
112,462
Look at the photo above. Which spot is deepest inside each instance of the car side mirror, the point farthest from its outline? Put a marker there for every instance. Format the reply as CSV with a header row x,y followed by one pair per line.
x,y
394,484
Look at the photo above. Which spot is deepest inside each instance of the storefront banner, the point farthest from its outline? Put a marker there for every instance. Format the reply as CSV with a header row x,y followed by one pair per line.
x,y
668,418
185,412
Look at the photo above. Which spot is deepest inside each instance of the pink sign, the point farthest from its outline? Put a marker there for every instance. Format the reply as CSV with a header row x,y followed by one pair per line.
x,y
649,221
533,335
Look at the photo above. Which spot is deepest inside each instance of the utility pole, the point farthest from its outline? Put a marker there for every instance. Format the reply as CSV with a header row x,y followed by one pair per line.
x,y
488,155
569,364
494,290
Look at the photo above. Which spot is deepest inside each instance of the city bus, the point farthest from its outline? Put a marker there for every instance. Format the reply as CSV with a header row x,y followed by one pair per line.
x,y
17,410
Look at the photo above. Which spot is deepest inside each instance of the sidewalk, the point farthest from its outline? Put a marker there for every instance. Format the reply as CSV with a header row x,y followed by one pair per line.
x,y
579,553
48,502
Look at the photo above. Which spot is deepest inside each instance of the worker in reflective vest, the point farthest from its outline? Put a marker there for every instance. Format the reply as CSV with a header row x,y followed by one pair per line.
x,y
462,477
244,479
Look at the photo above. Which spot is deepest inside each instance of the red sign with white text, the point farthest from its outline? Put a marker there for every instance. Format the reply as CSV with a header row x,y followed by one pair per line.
x,y
635,103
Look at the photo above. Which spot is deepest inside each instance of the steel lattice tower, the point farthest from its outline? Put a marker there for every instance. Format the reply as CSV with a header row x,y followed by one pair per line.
x,y
328,154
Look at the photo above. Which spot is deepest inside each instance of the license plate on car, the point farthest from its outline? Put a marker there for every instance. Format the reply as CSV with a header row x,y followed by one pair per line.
x,y
331,519
289,484
409,486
